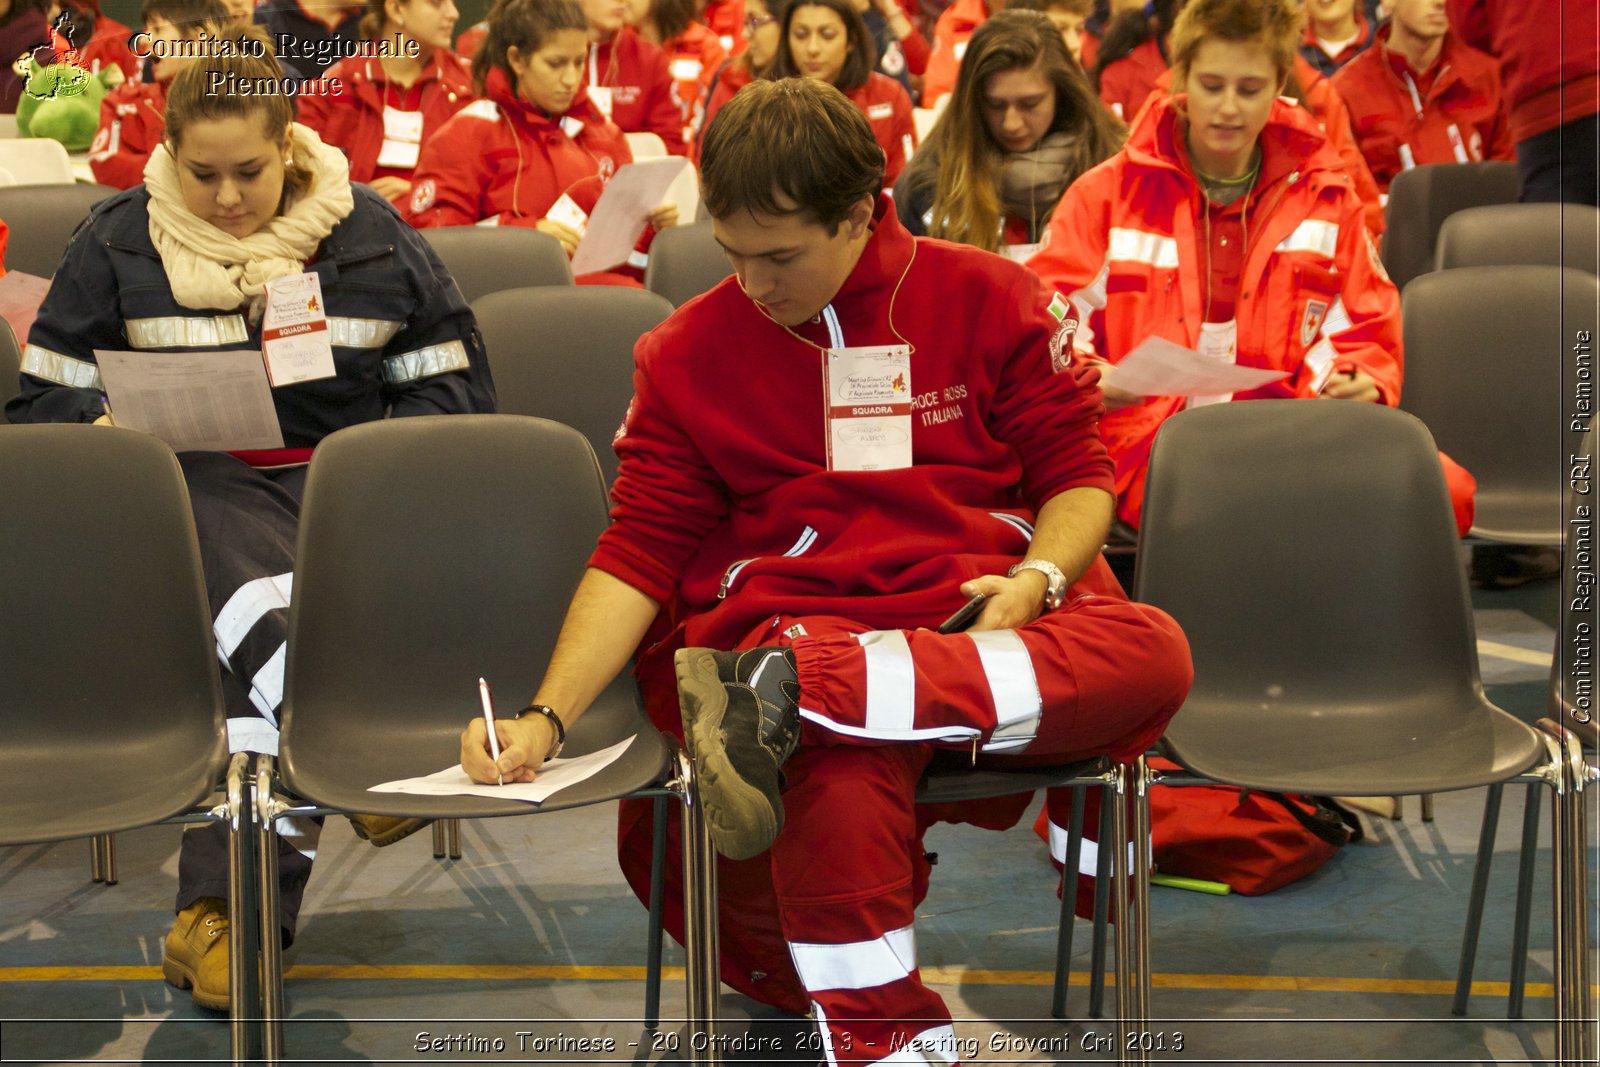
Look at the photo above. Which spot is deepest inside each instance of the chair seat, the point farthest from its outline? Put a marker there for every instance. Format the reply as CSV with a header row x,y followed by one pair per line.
x,y
948,782
1334,756
339,781
1519,517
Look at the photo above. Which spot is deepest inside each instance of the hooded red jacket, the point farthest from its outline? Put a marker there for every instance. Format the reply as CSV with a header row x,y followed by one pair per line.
x,y
132,123
1453,116
353,120
1313,296
724,504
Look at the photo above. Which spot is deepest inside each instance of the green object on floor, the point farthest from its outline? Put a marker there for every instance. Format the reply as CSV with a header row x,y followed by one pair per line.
x,y
1197,885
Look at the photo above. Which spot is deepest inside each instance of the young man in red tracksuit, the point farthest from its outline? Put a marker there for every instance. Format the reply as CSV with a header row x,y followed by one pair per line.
x,y
825,456
1422,96
628,78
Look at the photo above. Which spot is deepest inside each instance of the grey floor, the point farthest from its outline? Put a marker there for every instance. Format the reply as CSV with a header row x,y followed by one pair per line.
x,y
534,931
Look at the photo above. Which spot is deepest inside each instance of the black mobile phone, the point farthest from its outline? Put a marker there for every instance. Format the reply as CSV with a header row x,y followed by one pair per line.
x,y
965,617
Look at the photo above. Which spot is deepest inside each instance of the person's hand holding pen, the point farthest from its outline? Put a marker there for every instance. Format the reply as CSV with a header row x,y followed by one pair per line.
x,y
524,744
1352,384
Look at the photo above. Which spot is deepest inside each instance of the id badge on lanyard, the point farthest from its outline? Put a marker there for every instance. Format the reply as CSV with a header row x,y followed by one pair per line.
x,y
402,138
294,331
869,408
1218,341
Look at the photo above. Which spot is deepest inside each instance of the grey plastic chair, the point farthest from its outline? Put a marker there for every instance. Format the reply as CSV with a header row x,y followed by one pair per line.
x,y
41,219
487,259
1484,349
567,354
119,661
434,550
1555,235
1420,199
685,261
1331,629
1562,705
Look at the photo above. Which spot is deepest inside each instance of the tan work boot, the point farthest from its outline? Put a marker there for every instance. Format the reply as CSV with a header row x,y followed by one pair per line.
x,y
384,829
197,952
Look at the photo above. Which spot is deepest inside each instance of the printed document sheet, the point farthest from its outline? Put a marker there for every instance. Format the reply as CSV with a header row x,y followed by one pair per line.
x,y
194,401
619,216
553,777
1158,367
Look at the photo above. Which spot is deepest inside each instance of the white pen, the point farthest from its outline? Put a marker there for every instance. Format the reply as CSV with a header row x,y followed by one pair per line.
x,y
488,720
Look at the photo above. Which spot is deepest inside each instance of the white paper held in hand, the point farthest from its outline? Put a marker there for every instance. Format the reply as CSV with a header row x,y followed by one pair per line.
x,y
621,213
1158,367
194,401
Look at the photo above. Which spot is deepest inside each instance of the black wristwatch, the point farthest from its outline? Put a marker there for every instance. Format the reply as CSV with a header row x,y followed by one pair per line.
x,y
549,713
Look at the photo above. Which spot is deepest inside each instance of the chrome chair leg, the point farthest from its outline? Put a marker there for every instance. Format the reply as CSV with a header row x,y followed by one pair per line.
x,y
103,858
1141,888
439,844
1124,895
1427,807
1568,776
1069,896
1475,900
267,809
658,886
452,833
243,1036
700,917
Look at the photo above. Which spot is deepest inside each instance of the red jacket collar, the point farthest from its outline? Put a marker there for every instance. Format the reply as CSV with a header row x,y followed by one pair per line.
x,y
1363,32
1402,66
497,87
1290,141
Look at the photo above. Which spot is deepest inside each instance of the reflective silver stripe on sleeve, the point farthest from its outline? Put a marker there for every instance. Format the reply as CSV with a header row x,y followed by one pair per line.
x,y
176,331
425,362
361,333
63,370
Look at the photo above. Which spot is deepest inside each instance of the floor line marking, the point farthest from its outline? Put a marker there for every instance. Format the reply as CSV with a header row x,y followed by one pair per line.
x,y
946,976
1513,653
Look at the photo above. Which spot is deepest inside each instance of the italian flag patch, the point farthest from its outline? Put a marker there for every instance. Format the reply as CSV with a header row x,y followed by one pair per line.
x,y
1059,309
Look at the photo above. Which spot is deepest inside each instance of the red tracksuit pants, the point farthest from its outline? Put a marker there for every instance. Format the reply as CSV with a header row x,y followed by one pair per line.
x,y
823,921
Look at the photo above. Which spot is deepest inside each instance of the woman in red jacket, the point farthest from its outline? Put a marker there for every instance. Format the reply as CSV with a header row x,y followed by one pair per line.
x,y
1133,56
762,35
1229,227
534,151
693,52
826,40
393,101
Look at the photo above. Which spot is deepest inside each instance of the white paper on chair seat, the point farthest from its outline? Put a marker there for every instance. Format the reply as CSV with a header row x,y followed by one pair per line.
x,y
620,215
553,777
1158,367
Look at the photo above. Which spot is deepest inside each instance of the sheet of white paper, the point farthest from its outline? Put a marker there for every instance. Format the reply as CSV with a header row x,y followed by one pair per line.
x,y
194,401
554,776
1158,367
20,297
618,217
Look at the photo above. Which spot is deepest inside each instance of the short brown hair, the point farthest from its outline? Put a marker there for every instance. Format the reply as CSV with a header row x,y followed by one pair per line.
x,y
795,137
1273,24
188,15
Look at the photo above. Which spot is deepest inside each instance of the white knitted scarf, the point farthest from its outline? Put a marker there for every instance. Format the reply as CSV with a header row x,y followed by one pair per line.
x,y
208,268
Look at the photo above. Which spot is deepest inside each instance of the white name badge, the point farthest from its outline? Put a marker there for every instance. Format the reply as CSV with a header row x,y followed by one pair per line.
x,y
685,69
1218,341
402,138
567,212
600,96
1021,253
294,331
869,408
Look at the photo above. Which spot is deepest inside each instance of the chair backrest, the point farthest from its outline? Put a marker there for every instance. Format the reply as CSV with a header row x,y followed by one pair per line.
x,y
107,654
1309,553
567,354
42,219
10,365
685,261
487,259
432,551
1485,348
643,144
6,177
1556,235
1420,199
37,161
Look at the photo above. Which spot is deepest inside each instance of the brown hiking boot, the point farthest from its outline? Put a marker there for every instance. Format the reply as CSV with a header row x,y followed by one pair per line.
x,y
196,953
384,829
